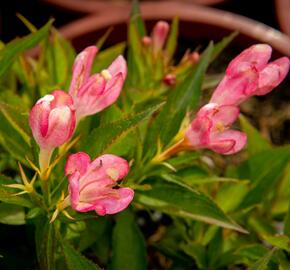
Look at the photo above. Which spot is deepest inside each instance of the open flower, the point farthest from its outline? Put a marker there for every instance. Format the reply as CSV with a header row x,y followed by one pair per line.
x,y
92,94
52,121
92,183
250,74
210,130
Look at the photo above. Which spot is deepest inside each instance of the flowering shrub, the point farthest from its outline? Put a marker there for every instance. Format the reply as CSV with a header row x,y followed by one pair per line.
x,y
129,150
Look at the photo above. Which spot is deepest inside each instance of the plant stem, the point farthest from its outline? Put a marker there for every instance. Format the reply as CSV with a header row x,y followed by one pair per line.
x,y
177,147
44,159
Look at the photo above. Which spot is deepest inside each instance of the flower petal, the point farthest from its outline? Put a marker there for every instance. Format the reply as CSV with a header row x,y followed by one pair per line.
x,y
233,90
115,203
225,115
119,65
82,68
78,162
272,75
258,55
111,94
228,142
73,189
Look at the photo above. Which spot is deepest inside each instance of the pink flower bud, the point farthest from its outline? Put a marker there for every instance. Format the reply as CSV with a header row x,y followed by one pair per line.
x,y
210,130
91,183
95,93
250,74
146,41
169,79
52,120
159,35
194,57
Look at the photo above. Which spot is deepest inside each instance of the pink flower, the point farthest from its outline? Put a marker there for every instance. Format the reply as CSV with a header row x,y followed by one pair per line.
x,y
92,94
250,74
52,120
159,36
91,183
210,130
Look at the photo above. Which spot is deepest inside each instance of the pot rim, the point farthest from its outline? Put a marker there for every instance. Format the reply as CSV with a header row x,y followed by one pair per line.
x,y
283,15
185,12
93,6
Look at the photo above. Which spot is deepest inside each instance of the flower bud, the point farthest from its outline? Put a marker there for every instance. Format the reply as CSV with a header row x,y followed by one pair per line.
x,y
52,120
250,74
170,79
146,41
159,35
92,184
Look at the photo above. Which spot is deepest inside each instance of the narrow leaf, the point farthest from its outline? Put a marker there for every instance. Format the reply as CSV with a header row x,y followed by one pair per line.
x,y
262,264
129,250
103,137
16,47
11,214
220,46
180,201
256,143
45,243
9,197
265,170
172,38
75,260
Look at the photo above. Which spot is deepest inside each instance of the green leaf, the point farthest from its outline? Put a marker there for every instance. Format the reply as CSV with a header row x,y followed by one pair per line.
x,y
15,136
75,260
58,60
106,57
129,249
250,253
103,137
136,17
280,241
265,170
287,222
172,38
45,243
11,198
256,143
197,252
18,120
16,47
231,195
262,263
176,200
11,214
220,46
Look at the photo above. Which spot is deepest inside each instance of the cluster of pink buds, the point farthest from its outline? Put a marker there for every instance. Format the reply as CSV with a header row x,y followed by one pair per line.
x,y
158,37
53,120
247,75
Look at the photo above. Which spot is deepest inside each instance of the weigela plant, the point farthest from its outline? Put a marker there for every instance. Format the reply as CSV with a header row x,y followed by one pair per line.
x,y
129,166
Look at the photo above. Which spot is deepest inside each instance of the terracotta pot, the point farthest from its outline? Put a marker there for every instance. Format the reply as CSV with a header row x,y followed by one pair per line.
x,y
196,23
283,14
98,6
